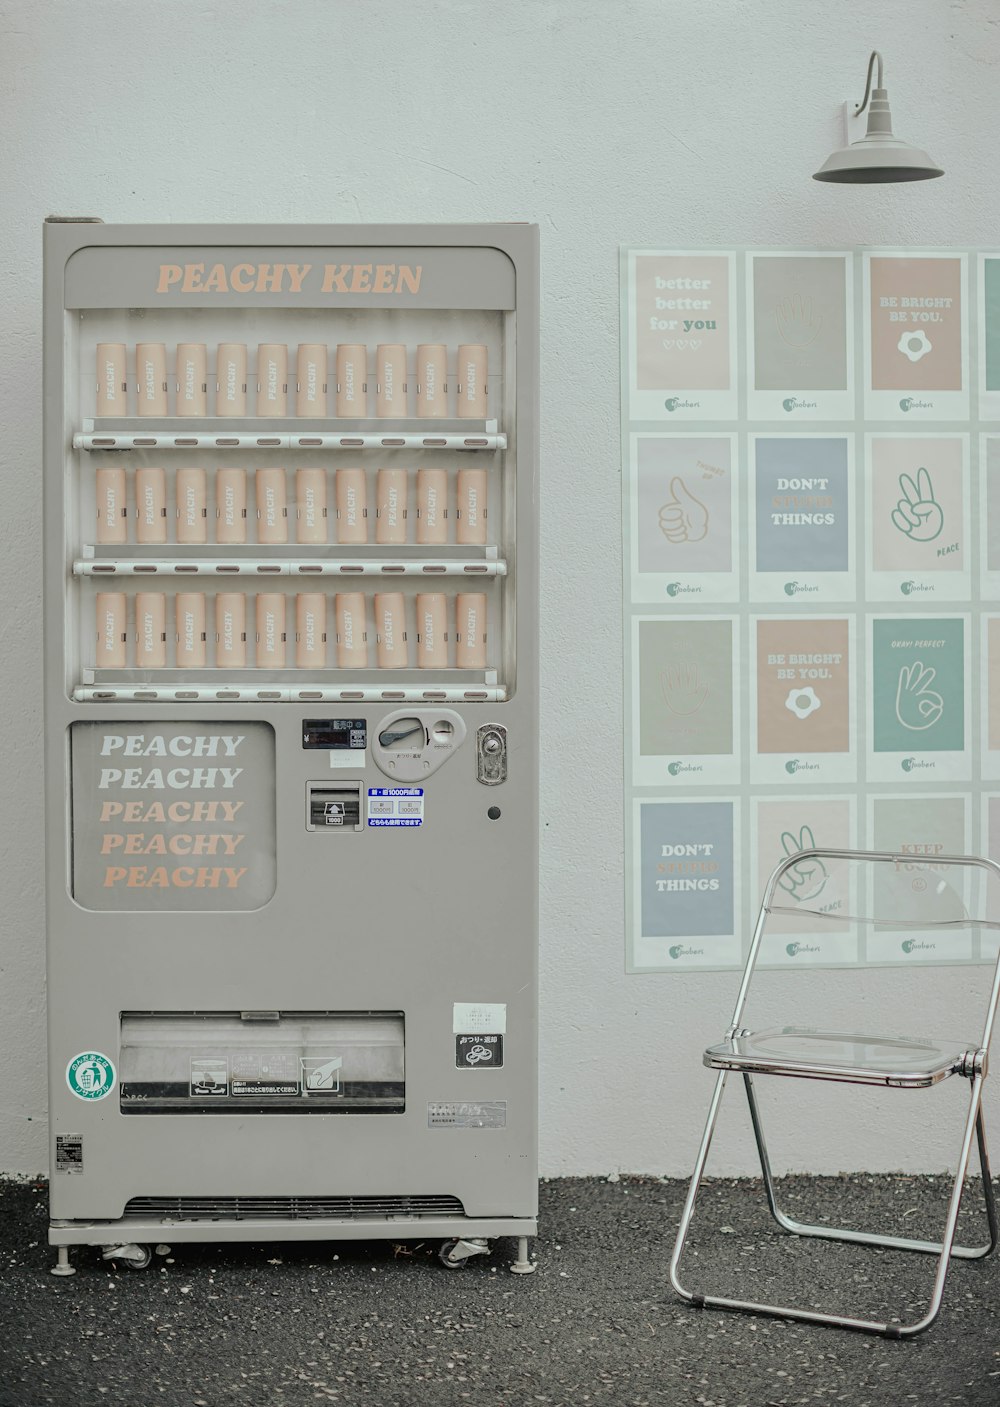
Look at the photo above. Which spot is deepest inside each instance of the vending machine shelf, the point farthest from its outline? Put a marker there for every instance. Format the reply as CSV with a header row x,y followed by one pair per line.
x,y
296,693
276,567
137,433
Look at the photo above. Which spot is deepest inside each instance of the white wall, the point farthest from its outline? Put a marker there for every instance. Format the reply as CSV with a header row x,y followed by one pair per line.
x,y
675,122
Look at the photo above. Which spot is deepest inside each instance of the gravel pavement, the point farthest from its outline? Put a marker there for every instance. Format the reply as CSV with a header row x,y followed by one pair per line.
x,y
373,1323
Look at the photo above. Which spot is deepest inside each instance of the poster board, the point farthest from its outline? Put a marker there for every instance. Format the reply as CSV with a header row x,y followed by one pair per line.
x,y
811,496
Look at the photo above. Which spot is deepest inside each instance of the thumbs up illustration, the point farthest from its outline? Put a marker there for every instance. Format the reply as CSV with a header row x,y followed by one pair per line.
x,y
684,518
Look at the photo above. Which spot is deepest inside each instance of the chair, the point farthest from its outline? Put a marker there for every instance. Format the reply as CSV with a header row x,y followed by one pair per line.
x,y
939,906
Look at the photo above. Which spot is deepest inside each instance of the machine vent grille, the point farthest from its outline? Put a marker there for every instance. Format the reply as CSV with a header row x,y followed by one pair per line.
x,y
291,1208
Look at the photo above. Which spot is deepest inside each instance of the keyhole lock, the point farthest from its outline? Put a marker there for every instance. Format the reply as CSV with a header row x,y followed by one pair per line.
x,y
491,754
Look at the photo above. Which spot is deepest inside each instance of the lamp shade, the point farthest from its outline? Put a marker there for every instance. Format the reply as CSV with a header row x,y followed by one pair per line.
x,y
878,155
868,161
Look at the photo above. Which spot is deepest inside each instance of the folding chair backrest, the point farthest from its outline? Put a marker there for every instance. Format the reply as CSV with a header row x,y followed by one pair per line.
x,y
891,910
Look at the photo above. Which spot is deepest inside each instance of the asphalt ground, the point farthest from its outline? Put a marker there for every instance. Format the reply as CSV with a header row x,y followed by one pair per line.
x,y
378,1323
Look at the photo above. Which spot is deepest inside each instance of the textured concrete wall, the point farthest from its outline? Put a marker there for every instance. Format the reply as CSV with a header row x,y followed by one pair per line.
x,y
642,121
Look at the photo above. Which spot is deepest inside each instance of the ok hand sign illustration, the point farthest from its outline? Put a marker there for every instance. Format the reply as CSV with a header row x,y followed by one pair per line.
x,y
918,514
684,518
807,878
918,706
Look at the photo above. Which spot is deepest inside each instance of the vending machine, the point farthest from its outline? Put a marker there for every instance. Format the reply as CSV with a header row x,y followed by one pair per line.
x,y
291,732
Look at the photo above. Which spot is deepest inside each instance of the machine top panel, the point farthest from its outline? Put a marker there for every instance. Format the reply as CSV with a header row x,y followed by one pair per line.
x,y
284,276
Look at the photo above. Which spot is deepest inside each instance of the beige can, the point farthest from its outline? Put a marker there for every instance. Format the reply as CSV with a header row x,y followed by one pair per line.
x,y
111,616
151,505
470,630
432,630
432,379
230,505
432,506
192,505
352,391
471,383
391,490
231,379
352,637
112,379
191,376
310,379
471,507
189,608
112,507
150,630
272,505
272,378
270,630
352,506
390,630
151,378
310,630
390,379
230,630
310,505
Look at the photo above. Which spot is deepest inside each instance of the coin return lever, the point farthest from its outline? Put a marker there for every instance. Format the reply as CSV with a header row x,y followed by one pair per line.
x,y
411,746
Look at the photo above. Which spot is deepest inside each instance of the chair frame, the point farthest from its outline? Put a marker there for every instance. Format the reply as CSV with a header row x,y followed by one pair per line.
x,y
974,1066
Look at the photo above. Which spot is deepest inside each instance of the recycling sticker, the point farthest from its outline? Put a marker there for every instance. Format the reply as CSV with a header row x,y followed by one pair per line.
x,y
90,1075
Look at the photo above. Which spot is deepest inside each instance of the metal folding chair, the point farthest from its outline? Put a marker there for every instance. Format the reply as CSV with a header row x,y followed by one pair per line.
x,y
889,1061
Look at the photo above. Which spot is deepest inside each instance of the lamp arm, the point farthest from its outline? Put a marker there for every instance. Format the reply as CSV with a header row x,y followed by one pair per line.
x,y
868,86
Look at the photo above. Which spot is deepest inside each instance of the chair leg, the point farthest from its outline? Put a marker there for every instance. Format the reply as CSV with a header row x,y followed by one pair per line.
x,y
870,1238
973,1129
692,1193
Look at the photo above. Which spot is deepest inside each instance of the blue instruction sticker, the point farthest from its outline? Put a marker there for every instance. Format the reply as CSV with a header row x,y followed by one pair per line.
x,y
395,806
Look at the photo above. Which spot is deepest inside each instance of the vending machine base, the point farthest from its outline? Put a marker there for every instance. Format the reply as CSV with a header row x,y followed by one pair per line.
x,y
291,580
132,1244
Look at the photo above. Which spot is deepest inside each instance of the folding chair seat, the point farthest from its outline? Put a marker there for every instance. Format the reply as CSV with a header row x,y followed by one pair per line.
x,y
862,1058
852,1057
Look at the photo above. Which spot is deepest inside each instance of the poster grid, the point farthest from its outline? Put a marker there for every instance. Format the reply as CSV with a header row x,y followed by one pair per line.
x,y
844,533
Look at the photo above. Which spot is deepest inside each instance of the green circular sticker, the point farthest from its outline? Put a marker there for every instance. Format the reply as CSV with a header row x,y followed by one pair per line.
x,y
90,1075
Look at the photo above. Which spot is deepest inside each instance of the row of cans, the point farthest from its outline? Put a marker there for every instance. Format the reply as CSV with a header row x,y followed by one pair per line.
x,y
316,388
428,513
291,632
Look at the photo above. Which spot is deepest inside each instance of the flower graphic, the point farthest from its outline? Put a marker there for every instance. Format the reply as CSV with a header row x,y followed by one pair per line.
x,y
802,702
914,344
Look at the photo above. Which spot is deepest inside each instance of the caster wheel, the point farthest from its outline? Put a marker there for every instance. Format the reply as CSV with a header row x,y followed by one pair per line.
x,y
446,1255
137,1263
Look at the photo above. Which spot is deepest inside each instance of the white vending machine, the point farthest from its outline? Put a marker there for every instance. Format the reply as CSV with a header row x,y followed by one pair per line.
x,y
290,480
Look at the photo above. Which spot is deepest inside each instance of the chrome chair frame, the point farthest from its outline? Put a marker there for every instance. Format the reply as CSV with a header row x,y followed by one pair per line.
x,y
973,1065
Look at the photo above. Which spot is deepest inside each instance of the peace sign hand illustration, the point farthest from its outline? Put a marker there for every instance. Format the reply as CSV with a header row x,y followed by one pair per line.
x,y
918,706
918,514
807,878
684,518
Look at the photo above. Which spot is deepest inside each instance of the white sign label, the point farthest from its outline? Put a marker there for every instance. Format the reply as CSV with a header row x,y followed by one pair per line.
x,y
395,806
471,1018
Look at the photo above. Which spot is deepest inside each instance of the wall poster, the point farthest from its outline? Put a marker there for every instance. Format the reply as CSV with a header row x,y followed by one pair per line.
x,y
811,483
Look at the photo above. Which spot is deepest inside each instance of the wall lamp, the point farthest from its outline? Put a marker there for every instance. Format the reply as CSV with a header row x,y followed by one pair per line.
x,y
878,155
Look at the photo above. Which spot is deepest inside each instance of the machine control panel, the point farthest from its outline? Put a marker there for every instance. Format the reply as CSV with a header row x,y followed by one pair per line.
x,y
414,743
491,754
